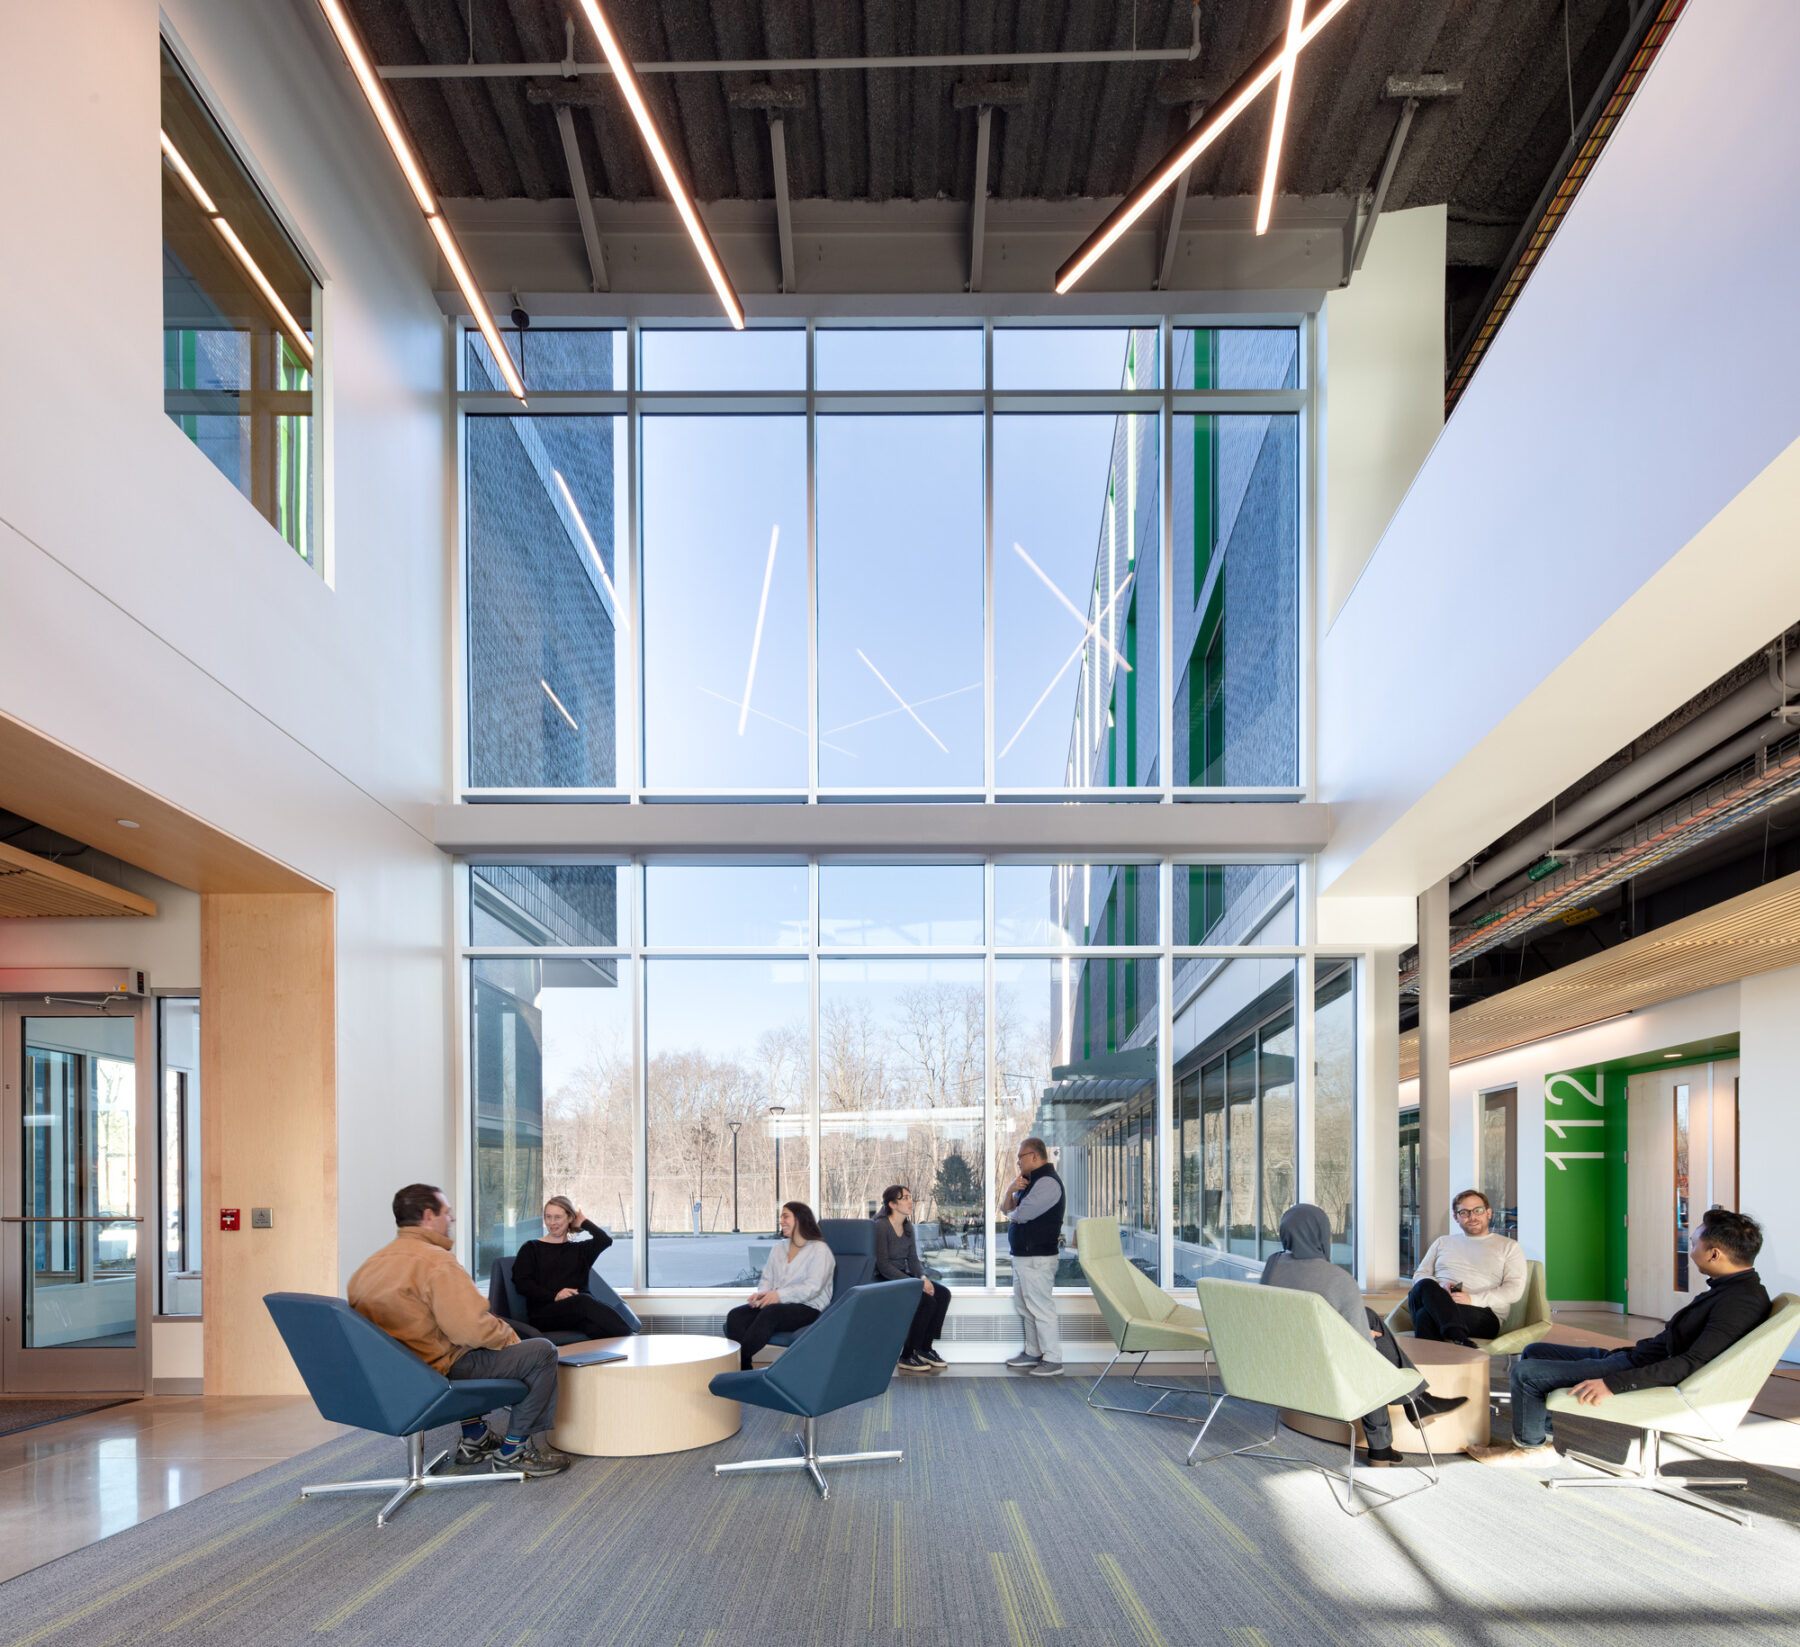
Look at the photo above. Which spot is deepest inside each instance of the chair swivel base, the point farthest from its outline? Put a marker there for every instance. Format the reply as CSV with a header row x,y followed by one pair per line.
x,y
1346,1501
1139,1383
418,1479
1648,1477
810,1459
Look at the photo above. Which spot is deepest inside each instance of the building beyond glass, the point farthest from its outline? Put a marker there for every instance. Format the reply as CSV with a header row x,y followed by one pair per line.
x,y
715,565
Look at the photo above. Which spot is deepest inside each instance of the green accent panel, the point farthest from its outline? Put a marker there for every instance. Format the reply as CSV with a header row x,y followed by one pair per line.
x,y
1584,1184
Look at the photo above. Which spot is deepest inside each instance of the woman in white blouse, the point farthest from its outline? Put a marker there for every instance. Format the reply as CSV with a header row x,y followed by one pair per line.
x,y
795,1285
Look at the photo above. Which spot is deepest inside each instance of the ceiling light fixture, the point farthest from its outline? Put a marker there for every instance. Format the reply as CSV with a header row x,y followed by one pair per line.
x,y
295,331
1190,148
684,203
126,823
573,725
389,121
902,702
1284,92
1074,611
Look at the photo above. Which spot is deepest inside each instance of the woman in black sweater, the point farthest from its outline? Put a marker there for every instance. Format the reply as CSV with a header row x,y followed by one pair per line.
x,y
896,1257
551,1275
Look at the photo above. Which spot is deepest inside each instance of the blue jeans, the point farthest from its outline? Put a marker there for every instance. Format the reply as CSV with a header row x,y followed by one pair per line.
x,y
1546,1367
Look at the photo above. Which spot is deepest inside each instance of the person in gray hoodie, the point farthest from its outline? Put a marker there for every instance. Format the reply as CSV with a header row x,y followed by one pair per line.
x,y
1304,1263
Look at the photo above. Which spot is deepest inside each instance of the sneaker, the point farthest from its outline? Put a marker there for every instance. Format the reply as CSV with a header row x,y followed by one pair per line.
x,y
1047,1369
535,1458
1509,1455
932,1359
1024,1361
912,1362
1426,1407
478,1452
1381,1457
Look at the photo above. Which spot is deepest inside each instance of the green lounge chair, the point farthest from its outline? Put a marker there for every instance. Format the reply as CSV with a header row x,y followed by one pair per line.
x,y
1140,1316
1526,1322
1706,1407
1284,1348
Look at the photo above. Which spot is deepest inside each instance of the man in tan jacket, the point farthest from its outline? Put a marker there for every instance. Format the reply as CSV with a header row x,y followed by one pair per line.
x,y
415,1291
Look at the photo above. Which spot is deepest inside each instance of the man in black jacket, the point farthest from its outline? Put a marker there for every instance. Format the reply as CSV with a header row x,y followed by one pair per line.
x,y
1733,1304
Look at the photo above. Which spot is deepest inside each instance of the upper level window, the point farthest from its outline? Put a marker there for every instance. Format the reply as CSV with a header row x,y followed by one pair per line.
x,y
842,561
239,315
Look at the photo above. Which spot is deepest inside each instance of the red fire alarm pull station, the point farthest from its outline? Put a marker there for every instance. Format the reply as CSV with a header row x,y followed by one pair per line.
x,y
228,1218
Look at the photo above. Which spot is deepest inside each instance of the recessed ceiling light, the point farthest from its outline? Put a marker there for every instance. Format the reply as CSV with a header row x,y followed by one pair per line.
x,y
126,823
1671,1054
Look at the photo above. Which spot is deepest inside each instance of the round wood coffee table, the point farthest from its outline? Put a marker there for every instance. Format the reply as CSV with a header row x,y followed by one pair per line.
x,y
1448,1370
654,1401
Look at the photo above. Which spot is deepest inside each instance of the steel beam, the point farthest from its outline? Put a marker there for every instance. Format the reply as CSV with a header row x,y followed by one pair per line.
x,y
1177,203
784,216
584,201
978,217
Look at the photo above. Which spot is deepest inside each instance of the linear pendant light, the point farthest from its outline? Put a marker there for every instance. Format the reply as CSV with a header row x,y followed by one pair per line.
x,y
295,331
389,121
1192,146
1284,92
684,202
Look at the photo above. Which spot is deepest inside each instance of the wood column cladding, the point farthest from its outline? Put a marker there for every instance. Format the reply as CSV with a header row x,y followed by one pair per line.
x,y
268,1069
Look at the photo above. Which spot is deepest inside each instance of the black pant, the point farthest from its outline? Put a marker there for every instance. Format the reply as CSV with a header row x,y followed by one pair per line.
x,y
1437,1315
928,1319
751,1326
1378,1430
584,1314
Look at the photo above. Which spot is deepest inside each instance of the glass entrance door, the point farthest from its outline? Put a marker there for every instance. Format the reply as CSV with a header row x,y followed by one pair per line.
x,y
74,1296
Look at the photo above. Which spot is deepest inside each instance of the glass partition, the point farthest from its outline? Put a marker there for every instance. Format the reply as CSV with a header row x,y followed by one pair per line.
x,y
178,1059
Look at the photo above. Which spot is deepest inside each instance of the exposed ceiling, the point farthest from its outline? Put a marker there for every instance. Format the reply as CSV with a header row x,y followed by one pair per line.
x,y
1078,131
1756,932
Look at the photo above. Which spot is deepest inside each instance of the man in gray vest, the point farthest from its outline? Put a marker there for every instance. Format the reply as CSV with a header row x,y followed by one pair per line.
x,y
1034,1209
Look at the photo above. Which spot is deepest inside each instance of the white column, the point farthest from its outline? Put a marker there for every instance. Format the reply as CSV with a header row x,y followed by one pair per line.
x,y
1434,1062
1378,1122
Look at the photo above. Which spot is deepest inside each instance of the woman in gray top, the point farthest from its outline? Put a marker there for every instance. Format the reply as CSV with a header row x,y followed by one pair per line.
x,y
896,1257
1304,1263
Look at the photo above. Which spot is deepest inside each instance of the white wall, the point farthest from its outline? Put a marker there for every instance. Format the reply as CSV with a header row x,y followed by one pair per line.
x,y
1381,375
1769,1123
152,620
1612,481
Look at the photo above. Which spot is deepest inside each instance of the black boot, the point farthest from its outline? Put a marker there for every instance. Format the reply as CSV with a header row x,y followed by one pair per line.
x,y
1425,1406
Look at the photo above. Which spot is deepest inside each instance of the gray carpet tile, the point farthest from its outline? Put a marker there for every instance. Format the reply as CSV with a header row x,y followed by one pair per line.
x,y
1019,1516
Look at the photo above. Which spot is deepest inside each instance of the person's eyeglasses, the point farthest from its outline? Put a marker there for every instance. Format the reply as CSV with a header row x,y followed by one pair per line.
x,y
1469,1212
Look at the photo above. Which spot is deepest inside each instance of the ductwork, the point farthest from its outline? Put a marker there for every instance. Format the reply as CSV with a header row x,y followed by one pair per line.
x,y
1761,700
1723,759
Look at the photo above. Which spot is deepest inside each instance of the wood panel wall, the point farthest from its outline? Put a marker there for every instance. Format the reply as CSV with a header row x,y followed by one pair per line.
x,y
268,1123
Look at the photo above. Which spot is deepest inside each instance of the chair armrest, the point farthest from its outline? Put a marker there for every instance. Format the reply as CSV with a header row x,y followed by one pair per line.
x,y
1399,1320
1654,1409
1511,1343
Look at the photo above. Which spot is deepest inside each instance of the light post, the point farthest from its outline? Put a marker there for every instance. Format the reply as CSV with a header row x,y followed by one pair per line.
x,y
778,1110
734,1125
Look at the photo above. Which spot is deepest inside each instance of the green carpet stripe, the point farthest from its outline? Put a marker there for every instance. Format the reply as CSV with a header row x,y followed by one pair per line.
x,y
1143,1626
405,1565
1019,1632
1031,1566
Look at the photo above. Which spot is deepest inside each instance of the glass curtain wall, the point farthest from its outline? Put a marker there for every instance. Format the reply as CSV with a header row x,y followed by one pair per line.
x,y
682,1047
848,561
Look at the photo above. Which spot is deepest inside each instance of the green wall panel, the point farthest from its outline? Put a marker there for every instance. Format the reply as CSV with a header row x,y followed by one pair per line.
x,y
1584,1185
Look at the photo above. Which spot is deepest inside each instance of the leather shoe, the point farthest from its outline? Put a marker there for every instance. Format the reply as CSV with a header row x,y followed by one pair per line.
x,y
1426,1406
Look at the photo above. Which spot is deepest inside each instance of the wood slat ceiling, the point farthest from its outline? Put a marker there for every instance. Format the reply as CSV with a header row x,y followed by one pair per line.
x,y
34,886
1756,932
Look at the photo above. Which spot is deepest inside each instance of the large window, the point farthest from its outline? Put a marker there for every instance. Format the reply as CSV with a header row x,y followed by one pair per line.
x,y
238,320
886,561
680,1047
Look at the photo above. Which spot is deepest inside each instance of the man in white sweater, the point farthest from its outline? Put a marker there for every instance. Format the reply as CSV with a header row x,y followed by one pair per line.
x,y
1467,1282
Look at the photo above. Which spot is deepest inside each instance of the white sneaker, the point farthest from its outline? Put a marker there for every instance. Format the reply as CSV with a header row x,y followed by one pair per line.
x,y
1024,1361
1047,1369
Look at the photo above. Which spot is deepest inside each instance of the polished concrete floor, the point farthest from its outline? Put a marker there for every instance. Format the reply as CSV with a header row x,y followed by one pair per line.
x,y
67,1484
